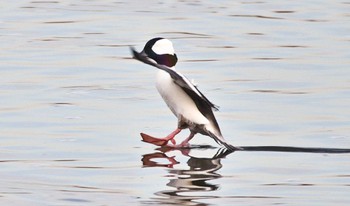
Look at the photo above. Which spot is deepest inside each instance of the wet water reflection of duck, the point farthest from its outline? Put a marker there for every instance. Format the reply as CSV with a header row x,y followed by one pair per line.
x,y
195,178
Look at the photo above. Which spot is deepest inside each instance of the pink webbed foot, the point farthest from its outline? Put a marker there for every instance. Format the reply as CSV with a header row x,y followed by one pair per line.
x,y
153,140
160,141
183,144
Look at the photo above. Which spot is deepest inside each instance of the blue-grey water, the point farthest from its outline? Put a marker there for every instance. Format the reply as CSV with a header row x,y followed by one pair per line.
x,y
73,102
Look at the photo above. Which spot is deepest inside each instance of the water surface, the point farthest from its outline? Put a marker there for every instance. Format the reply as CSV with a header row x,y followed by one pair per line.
x,y
73,102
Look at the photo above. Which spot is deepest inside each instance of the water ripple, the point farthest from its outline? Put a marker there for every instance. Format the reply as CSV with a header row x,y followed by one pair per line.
x,y
256,16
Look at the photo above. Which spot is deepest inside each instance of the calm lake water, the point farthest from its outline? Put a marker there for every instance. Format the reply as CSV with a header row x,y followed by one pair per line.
x,y
73,102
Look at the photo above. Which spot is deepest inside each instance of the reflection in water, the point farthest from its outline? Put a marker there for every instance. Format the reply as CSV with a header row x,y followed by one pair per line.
x,y
193,179
148,162
203,169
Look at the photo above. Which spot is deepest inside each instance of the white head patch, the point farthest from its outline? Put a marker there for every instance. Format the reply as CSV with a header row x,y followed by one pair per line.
x,y
163,46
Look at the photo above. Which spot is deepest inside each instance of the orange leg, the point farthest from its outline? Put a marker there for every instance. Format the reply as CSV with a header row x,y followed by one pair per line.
x,y
185,142
160,141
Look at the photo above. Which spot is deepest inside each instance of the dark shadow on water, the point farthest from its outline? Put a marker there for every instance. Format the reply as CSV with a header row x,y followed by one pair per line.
x,y
189,186
295,149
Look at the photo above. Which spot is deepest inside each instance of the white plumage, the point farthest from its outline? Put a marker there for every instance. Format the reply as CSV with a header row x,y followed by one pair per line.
x,y
177,100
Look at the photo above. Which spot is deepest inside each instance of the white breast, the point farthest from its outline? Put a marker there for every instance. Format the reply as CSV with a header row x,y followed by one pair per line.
x,y
177,100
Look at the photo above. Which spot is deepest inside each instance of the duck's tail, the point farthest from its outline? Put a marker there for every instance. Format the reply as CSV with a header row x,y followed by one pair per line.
x,y
220,140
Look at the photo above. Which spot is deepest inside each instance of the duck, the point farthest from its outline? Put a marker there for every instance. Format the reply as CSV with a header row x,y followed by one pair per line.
x,y
191,107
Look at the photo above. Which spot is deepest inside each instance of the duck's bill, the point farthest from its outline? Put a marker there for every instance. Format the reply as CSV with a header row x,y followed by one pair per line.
x,y
142,56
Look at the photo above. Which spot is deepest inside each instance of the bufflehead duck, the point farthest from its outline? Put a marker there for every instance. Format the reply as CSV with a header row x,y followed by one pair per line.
x,y
192,109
